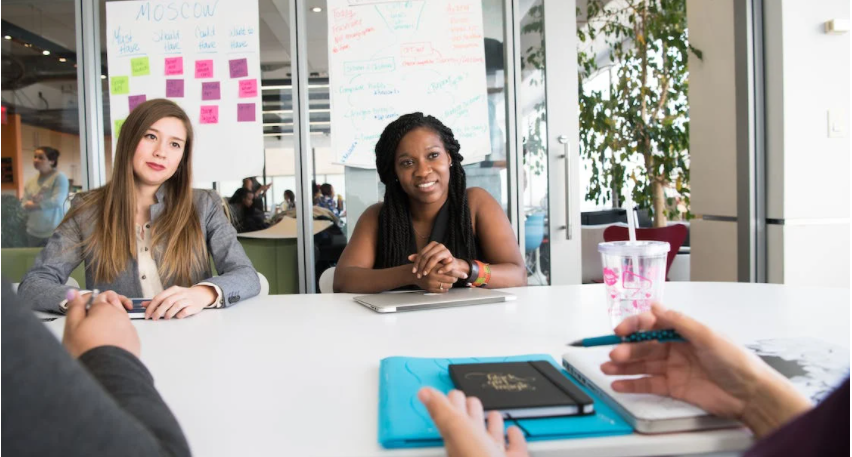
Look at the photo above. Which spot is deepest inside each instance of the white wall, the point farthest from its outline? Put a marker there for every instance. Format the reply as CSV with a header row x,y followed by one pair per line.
x,y
813,79
807,75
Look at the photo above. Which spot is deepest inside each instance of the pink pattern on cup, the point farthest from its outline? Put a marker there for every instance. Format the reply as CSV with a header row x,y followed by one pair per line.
x,y
610,278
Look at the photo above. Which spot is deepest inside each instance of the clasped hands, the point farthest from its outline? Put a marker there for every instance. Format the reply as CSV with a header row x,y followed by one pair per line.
x,y
435,269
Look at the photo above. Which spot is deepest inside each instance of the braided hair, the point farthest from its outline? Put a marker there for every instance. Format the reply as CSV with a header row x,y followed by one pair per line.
x,y
395,230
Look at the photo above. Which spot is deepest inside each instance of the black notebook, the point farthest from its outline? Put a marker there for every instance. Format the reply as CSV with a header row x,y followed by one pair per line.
x,y
521,390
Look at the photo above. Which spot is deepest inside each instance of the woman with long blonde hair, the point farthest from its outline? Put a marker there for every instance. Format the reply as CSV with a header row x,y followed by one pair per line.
x,y
147,233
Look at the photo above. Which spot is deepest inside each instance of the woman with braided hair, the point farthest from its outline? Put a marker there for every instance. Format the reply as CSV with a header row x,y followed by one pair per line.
x,y
431,231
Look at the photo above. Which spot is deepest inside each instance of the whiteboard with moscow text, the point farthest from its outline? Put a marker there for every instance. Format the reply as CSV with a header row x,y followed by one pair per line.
x,y
388,58
203,55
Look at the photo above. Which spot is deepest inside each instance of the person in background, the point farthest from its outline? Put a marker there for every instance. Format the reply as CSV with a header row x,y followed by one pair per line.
x,y
92,398
289,200
44,197
147,233
247,218
707,371
431,232
317,193
328,201
258,190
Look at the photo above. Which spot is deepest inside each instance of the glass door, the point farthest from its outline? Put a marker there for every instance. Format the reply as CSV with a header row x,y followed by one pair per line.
x,y
552,133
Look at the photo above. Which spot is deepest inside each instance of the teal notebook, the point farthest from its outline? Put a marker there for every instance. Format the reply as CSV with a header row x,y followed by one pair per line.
x,y
405,423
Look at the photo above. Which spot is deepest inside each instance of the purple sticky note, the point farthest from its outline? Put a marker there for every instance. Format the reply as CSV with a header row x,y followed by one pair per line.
x,y
245,112
203,68
135,100
174,88
239,68
174,66
210,91
209,114
248,88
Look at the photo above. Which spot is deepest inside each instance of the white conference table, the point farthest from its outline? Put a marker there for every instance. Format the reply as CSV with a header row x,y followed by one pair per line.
x,y
298,374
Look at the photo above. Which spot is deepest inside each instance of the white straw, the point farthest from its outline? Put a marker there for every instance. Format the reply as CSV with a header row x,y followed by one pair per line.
x,y
631,228
631,220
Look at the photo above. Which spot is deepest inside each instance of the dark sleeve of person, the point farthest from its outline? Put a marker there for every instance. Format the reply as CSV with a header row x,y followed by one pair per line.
x,y
822,431
103,405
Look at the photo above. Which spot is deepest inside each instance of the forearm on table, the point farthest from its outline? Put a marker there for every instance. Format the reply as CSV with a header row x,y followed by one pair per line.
x,y
506,275
370,281
776,402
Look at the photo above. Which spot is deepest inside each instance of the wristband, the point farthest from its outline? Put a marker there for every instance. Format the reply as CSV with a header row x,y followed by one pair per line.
x,y
483,274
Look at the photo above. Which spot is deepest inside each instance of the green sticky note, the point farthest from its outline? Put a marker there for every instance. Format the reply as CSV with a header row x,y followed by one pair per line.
x,y
139,66
117,128
119,85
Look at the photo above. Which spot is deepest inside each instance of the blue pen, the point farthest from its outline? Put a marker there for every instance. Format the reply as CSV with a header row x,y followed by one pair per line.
x,y
663,336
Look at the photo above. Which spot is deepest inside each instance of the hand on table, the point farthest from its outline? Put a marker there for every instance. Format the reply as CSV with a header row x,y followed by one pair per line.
x,y
113,298
104,324
434,266
707,371
179,302
461,422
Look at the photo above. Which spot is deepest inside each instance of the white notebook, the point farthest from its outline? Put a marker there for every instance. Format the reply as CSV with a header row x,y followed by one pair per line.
x,y
646,413
813,366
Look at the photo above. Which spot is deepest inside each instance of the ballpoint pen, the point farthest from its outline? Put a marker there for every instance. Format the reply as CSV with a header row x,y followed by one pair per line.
x,y
663,336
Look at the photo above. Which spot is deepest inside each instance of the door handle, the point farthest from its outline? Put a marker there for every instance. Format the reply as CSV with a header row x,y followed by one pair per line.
x,y
563,139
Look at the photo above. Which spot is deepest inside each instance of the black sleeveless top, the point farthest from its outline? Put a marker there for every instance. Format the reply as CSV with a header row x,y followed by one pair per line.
x,y
439,235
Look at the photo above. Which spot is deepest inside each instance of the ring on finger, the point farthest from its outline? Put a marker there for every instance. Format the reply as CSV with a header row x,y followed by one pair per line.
x,y
441,285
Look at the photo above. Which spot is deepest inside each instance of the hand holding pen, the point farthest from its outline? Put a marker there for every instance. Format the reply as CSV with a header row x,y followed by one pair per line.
x,y
706,370
111,297
92,322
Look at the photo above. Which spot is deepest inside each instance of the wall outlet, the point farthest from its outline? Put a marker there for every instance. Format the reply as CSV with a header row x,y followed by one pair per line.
x,y
838,123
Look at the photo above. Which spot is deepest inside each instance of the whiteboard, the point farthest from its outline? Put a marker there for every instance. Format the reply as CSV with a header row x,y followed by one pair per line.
x,y
203,55
388,58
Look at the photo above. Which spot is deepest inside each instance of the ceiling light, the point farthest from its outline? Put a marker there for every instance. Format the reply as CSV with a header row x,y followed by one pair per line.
x,y
27,45
316,9
62,59
46,52
7,37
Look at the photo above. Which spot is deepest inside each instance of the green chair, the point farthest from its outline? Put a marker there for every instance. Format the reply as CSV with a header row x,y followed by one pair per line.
x,y
277,259
16,262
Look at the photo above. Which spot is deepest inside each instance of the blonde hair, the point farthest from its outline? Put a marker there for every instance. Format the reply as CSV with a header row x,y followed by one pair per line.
x,y
176,234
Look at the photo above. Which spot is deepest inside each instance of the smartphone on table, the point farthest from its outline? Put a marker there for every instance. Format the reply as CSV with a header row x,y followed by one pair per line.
x,y
138,311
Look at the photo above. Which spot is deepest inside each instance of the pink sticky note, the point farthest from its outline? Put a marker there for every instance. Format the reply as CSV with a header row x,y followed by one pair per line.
x,y
135,100
203,68
174,88
239,68
245,112
210,91
248,88
209,114
174,66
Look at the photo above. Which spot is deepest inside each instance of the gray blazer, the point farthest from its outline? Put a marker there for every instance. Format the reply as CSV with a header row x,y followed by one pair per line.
x,y
44,285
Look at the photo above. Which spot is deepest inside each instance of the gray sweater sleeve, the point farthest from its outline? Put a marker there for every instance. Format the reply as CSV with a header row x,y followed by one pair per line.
x,y
43,287
52,405
237,277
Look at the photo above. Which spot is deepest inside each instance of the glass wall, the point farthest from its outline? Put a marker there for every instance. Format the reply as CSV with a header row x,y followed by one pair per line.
x,y
351,190
41,157
49,99
533,130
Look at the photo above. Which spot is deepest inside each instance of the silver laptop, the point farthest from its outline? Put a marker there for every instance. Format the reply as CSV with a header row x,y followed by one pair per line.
x,y
392,302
